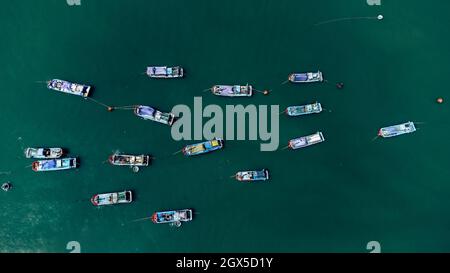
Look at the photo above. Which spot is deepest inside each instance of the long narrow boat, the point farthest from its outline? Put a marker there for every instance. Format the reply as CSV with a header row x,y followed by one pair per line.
x,y
165,72
314,108
44,153
232,90
150,113
69,87
307,77
250,176
172,217
114,198
306,141
396,130
203,147
129,160
54,165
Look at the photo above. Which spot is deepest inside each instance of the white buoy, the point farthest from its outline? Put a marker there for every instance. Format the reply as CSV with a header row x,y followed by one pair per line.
x,y
135,169
380,17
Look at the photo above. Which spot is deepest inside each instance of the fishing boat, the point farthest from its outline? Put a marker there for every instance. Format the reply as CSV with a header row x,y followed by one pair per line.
x,y
232,90
54,165
69,88
172,217
307,77
165,72
44,153
313,108
113,198
150,113
204,147
129,160
306,141
396,130
250,176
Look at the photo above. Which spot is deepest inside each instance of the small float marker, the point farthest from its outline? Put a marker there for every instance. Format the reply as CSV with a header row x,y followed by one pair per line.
x,y
380,17
440,100
6,186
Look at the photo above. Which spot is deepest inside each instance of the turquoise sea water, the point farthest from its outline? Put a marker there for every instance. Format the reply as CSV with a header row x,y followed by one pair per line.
x,y
333,197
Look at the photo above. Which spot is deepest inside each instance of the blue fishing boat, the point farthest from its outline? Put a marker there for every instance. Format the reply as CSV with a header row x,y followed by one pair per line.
x,y
150,113
165,72
54,165
307,77
69,87
306,141
250,176
314,108
396,130
204,147
172,217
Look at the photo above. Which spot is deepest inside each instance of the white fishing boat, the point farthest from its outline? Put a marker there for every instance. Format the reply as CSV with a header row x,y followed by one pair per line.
x,y
306,141
307,109
114,198
165,72
396,130
232,90
150,113
69,87
251,176
44,153
129,160
307,77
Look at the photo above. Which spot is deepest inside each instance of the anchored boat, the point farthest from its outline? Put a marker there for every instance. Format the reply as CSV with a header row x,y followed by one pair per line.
x,y
54,165
232,90
44,153
69,88
165,72
396,130
306,141
149,113
129,160
172,217
204,147
307,77
314,108
250,176
113,198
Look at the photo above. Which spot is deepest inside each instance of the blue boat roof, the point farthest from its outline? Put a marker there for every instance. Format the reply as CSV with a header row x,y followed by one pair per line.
x,y
301,77
146,110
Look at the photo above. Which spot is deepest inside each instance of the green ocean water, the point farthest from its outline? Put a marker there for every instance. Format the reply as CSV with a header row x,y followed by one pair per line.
x,y
332,197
